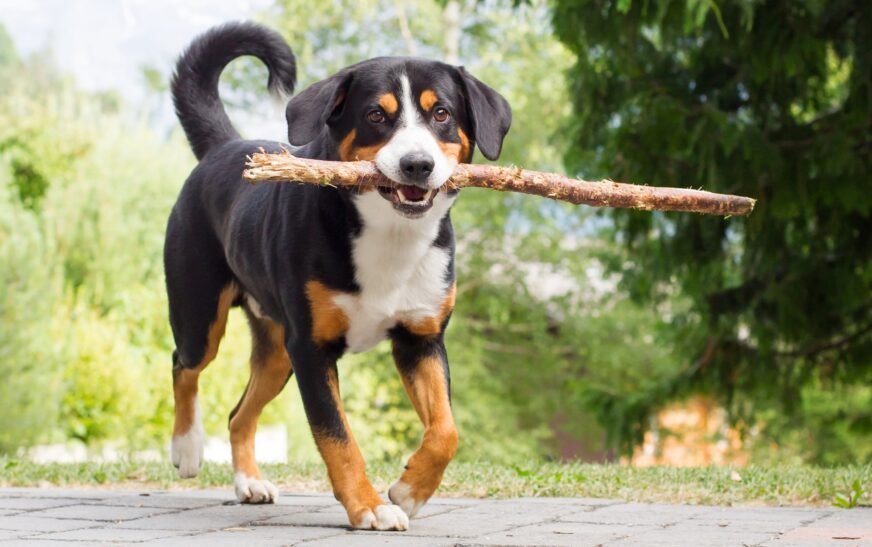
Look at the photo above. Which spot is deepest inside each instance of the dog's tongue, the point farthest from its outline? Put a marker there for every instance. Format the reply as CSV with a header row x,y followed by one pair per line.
x,y
412,193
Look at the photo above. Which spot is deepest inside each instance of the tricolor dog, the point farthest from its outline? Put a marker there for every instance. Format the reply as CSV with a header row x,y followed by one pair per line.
x,y
318,270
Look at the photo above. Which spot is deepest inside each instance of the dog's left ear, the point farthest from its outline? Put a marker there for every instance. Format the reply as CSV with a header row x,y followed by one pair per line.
x,y
490,113
318,104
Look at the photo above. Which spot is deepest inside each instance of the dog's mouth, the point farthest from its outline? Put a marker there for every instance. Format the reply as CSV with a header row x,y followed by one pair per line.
x,y
410,201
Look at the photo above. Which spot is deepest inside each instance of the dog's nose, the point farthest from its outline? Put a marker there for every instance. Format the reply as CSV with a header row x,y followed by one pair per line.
x,y
417,166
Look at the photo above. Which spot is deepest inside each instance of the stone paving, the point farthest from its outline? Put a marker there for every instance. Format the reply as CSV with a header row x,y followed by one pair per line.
x,y
54,517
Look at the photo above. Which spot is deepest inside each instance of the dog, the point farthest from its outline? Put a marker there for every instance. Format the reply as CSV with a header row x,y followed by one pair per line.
x,y
320,271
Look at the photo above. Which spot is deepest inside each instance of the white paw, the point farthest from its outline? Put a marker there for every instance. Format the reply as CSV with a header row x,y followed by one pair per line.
x,y
385,517
401,494
187,450
249,490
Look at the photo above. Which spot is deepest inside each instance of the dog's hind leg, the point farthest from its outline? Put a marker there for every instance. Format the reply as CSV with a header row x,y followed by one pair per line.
x,y
201,290
188,435
270,370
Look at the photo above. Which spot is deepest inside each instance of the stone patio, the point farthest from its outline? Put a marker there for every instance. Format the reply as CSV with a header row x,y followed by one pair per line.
x,y
50,516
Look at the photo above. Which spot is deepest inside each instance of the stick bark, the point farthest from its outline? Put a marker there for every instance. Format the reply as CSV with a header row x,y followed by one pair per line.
x,y
284,167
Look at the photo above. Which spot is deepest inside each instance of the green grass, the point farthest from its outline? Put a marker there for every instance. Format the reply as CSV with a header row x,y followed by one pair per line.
x,y
793,485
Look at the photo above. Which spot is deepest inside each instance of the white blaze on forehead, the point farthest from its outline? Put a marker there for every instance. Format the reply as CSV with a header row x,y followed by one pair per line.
x,y
409,116
413,135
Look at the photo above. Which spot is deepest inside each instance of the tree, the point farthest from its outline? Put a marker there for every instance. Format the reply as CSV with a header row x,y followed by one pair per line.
x,y
84,341
771,99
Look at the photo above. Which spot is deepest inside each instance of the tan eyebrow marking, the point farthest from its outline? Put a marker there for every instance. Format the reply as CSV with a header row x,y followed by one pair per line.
x,y
389,103
428,99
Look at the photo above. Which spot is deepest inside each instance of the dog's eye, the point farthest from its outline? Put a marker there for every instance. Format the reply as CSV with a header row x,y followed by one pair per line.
x,y
375,116
440,114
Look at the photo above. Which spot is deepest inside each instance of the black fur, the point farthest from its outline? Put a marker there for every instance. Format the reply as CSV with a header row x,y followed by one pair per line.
x,y
308,113
490,114
195,82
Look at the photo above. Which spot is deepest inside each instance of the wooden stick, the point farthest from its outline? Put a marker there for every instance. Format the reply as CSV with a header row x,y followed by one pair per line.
x,y
284,167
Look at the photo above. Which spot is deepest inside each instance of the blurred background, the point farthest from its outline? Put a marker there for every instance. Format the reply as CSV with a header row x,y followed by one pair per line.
x,y
644,338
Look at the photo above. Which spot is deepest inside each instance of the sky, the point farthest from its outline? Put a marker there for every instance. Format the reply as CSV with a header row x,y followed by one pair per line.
x,y
105,43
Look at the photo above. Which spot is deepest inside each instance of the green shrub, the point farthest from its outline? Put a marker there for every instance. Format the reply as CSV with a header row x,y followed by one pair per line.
x,y
30,362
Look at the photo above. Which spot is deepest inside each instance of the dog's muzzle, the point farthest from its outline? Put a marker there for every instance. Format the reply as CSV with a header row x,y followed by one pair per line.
x,y
412,197
410,200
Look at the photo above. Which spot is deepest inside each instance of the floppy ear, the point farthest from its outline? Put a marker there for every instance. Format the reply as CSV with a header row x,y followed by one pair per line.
x,y
315,106
490,113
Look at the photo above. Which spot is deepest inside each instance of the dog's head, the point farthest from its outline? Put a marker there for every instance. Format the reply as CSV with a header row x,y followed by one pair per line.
x,y
416,118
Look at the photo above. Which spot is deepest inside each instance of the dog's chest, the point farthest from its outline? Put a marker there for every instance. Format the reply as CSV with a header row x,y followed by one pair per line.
x,y
402,279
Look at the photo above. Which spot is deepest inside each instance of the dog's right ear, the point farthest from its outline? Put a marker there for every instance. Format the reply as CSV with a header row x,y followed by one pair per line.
x,y
316,106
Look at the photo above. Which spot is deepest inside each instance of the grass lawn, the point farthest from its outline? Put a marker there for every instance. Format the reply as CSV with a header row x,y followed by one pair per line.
x,y
794,485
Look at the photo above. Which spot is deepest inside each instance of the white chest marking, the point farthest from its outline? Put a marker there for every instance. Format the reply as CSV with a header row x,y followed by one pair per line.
x,y
402,276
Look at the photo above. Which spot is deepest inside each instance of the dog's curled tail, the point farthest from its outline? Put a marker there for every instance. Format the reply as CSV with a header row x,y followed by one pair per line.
x,y
195,82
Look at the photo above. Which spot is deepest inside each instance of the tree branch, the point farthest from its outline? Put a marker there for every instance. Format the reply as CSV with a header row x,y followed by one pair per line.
x,y
284,167
832,345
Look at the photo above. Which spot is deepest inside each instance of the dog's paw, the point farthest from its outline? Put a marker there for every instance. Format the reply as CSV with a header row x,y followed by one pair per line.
x,y
249,490
187,451
383,517
401,494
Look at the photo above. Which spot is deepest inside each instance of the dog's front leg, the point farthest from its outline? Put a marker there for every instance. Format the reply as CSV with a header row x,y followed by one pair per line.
x,y
319,387
423,366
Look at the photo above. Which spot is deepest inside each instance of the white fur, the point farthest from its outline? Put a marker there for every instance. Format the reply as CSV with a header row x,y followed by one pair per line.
x,y
413,136
254,306
187,449
250,490
401,494
385,517
400,273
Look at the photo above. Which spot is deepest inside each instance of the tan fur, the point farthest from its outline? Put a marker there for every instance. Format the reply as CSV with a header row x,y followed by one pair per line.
x,y
346,467
427,99
428,391
389,103
458,151
270,368
185,380
349,152
465,153
431,326
346,145
452,150
328,320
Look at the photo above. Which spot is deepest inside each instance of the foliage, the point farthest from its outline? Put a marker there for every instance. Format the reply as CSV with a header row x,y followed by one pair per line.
x,y
29,359
768,99
852,498
84,346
